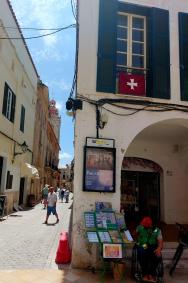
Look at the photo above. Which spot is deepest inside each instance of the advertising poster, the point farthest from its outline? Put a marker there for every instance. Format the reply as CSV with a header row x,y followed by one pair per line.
x,y
99,169
112,251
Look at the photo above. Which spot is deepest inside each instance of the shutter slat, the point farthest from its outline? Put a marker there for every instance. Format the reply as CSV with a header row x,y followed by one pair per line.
x,y
183,43
106,67
158,76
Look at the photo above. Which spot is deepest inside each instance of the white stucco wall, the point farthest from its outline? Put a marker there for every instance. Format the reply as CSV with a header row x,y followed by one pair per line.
x,y
16,68
125,130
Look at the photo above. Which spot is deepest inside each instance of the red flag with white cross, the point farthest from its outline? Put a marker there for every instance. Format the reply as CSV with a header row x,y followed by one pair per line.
x,y
132,84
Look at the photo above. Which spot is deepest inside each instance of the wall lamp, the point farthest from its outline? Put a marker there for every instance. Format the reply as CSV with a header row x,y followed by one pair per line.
x,y
24,147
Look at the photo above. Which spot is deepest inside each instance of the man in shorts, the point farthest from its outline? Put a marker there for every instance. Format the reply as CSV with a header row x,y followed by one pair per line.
x,y
51,205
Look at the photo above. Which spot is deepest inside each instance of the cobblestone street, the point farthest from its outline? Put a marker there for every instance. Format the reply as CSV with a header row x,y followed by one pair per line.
x,y
27,243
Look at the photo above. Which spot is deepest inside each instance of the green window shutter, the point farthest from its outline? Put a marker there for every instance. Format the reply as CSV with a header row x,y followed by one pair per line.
x,y
4,109
22,118
13,106
158,57
183,45
106,67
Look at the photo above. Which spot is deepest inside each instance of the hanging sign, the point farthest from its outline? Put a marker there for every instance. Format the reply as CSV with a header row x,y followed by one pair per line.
x,y
100,142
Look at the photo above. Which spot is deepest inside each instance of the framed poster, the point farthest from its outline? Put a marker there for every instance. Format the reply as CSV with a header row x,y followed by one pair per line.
x,y
99,169
112,251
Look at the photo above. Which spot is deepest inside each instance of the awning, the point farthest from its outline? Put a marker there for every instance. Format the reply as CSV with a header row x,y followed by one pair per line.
x,y
29,170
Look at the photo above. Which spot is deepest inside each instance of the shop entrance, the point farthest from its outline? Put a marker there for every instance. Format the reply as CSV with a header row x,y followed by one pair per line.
x,y
140,195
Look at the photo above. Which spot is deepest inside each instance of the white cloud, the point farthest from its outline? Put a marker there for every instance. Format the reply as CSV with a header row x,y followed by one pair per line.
x,y
59,105
49,53
65,155
61,84
41,13
65,158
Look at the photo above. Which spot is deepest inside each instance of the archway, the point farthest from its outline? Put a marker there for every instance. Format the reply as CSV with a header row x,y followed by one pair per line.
x,y
140,188
158,157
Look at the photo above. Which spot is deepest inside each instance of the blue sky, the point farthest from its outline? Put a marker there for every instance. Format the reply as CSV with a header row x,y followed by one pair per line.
x,y
53,56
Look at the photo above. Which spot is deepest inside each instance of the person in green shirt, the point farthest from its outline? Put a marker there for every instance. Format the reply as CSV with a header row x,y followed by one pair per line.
x,y
149,246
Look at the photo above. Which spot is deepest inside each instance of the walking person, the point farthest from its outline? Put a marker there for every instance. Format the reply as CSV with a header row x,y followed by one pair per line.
x,y
51,205
45,195
66,195
62,193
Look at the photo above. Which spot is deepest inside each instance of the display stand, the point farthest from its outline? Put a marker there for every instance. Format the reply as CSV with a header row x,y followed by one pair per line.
x,y
106,229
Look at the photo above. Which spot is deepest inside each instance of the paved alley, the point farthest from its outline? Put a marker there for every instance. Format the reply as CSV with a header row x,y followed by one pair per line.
x,y
27,243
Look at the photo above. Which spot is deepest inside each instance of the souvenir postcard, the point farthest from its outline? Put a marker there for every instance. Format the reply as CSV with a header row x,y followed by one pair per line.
x,y
105,219
104,237
103,206
126,236
89,219
120,219
115,236
92,237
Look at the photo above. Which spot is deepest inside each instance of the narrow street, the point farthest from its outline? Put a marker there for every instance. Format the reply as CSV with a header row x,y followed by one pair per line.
x,y
25,242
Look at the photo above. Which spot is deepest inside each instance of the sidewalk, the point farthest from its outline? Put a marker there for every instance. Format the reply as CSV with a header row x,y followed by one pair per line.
x,y
73,276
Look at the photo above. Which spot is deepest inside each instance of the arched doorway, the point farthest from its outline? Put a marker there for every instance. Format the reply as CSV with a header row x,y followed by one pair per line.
x,y
140,189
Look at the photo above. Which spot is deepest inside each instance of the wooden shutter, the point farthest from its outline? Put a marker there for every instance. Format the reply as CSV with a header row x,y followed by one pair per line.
x,y
13,105
5,100
106,67
183,45
158,54
22,118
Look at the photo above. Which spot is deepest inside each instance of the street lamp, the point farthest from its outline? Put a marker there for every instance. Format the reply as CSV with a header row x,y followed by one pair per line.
x,y
24,147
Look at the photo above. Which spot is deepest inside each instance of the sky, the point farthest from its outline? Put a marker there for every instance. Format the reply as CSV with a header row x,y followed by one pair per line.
x,y
53,56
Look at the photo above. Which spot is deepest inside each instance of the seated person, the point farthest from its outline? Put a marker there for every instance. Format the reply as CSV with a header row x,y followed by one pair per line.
x,y
149,246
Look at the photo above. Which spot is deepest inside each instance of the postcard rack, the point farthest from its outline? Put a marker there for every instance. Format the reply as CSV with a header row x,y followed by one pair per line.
x,y
108,230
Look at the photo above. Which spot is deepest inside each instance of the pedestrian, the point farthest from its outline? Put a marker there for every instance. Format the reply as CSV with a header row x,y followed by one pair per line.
x,y
66,195
62,193
149,246
59,193
45,195
51,205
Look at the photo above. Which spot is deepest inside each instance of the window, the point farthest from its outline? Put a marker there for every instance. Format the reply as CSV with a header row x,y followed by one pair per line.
x,y
131,41
22,119
9,102
9,181
133,37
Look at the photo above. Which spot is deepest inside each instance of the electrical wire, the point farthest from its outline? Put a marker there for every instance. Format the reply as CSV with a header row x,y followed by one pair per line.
x,y
73,9
42,35
30,28
148,105
74,82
